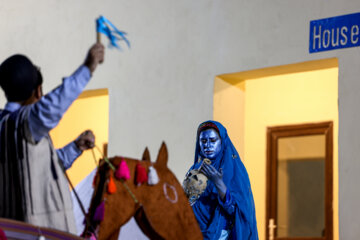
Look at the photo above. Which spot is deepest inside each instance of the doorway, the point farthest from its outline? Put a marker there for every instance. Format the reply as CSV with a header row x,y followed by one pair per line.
x,y
250,102
300,182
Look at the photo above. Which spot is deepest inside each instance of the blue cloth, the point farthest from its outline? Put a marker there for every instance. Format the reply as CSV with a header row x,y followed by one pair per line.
x,y
104,26
46,113
228,205
237,213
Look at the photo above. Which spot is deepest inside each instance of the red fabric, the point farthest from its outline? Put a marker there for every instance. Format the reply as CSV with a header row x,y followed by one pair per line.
x,y
2,235
206,126
111,187
94,180
141,174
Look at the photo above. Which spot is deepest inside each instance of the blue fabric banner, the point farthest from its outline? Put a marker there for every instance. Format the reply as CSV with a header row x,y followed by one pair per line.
x,y
105,27
334,33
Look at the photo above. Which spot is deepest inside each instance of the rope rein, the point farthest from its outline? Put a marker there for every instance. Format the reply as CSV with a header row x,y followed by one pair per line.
x,y
130,192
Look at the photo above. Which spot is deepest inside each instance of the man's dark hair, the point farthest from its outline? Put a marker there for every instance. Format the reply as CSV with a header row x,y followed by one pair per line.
x,y
19,78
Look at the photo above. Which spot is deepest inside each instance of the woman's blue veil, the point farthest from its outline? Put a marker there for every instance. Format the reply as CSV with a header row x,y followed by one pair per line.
x,y
208,211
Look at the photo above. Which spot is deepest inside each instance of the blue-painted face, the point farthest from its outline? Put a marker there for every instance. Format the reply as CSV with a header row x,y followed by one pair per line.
x,y
210,143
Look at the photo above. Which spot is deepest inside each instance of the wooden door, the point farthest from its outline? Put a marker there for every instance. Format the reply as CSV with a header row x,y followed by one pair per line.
x,y
300,182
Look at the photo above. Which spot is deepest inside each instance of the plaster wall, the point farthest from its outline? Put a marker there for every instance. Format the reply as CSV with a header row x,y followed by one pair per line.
x,y
162,88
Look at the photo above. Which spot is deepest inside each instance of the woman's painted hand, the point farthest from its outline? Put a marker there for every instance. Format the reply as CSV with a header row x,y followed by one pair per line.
x,y
216,177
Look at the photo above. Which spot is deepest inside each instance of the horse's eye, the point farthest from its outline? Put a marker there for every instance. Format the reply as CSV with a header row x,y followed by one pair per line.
x,y
196,178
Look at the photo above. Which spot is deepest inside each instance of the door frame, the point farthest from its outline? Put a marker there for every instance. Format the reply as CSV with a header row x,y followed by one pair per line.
x,y
273,134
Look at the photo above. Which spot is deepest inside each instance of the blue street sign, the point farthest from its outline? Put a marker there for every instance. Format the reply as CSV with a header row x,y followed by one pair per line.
x,y
334,33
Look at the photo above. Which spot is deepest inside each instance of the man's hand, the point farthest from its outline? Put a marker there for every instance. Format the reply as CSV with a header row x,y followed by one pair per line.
x,y
95,56
216,177
86,140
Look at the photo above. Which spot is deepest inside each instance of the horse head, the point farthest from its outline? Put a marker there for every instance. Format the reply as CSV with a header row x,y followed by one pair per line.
x,y
162,210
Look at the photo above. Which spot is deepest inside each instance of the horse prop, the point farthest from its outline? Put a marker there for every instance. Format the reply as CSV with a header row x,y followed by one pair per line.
x,y
162,210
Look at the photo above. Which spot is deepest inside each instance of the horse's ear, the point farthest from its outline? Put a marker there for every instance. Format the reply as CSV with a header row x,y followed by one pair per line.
x,y
163,155
146,155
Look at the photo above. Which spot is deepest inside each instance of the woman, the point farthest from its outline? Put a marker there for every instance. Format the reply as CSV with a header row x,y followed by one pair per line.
x,y
225,210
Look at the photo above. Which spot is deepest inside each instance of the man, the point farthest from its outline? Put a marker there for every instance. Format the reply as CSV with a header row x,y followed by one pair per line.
x,y
33,187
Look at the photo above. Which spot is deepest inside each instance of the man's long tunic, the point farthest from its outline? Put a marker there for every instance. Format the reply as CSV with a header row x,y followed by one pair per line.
x,y
33,187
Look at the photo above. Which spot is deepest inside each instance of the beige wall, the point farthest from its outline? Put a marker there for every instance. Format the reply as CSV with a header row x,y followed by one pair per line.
x,y
279,99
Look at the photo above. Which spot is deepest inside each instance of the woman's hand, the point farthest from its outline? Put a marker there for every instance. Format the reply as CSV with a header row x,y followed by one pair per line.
x,y
216,177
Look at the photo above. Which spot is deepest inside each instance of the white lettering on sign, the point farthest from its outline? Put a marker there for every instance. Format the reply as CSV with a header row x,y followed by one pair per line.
x,y
317,36
334,33
354,34
336,36
343,34
325,38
